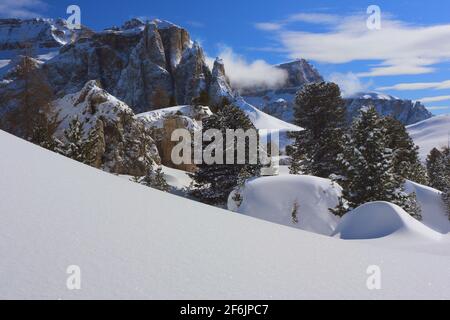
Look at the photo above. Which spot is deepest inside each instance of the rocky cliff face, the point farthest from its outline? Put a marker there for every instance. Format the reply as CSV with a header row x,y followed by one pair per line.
x,y
126,145
162,123
149,65
279,102
406,111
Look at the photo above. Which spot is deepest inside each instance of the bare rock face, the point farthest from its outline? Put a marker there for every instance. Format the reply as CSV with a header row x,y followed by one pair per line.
x,y
162,123
149,66
220,90
192,76
406,111
126,145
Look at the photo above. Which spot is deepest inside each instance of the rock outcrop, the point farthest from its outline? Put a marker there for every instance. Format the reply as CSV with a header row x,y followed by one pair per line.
x,y
126,145
220,90
162,123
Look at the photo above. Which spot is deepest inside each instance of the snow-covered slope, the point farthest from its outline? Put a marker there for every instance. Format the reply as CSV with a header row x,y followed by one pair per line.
x,y
431,133
433,212
275,199
135,242
382,219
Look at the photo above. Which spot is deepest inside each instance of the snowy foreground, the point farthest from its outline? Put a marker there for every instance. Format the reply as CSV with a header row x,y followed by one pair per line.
x,y
134,242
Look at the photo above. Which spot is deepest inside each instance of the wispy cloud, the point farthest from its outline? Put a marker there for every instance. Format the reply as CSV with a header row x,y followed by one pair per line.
x,y
435,99
21,8
399,48
438,108
349,83
314,18
247,74
269,26
418,86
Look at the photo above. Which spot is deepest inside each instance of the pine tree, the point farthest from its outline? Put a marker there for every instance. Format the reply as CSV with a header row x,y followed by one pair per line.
x,y
213,183
406,160
320,111
74,135
243,177
94,146
437,169
156,180
35,118
368,167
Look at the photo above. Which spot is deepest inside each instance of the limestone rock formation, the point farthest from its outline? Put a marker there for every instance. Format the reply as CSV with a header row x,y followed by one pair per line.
x,y
127,146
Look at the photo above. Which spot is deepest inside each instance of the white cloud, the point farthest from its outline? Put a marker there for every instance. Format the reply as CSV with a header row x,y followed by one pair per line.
x,y
434,99
349,83
438,108
398,48
314,18
244,74
419,86
269,26
21,8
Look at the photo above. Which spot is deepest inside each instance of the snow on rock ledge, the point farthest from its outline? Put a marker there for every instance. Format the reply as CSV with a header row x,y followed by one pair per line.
x,y
381,219
275,199
127,145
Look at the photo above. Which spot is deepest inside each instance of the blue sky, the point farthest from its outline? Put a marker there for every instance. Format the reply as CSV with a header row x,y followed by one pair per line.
x,y
408,57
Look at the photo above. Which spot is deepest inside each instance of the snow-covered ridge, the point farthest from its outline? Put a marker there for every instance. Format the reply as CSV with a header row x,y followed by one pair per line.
x,y
39,33
137,243
373,96
431,133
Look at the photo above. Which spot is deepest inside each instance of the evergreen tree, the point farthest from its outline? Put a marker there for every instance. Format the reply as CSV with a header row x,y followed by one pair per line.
x,y
437,167
35,118
74,147
406,160
320,111
243,177
94,146
368,167
213,183
156,180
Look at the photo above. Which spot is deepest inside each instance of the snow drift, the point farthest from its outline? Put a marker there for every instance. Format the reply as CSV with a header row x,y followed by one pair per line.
x,y
275,199
137,243
431,133
433,210
381,219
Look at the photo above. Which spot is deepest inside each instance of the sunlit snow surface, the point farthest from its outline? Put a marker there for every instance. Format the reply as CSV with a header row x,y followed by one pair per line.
x,y
134,242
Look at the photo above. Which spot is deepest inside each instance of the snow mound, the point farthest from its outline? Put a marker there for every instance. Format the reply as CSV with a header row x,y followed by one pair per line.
x,y
433,211
381,219
275,199
430,133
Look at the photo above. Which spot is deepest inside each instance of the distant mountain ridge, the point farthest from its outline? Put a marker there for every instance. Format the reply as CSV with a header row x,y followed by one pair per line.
x,y
279,102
